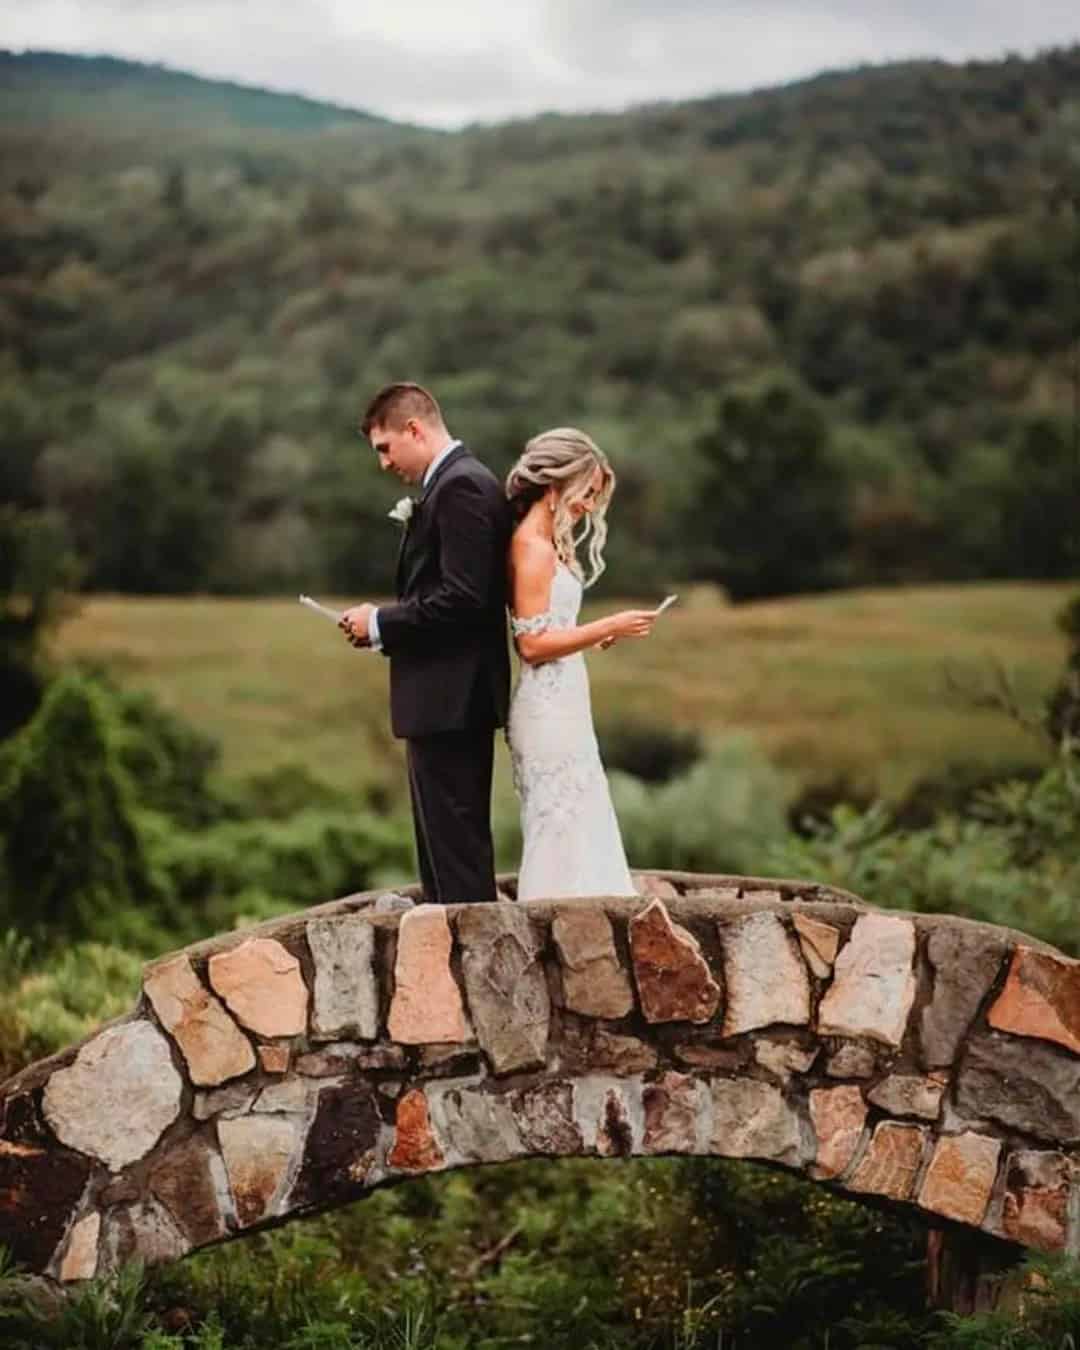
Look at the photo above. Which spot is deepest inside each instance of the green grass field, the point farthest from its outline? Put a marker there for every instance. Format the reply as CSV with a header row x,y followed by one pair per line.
x,y
846,688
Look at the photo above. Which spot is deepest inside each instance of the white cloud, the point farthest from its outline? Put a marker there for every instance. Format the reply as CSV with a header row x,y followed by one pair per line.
x,y
429,61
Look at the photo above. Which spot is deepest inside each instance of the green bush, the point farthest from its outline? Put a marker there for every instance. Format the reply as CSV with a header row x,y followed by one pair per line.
x,y
74,853
652,752
722,815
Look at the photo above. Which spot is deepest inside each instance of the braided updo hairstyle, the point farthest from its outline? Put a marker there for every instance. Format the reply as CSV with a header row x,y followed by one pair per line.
x,y
566,459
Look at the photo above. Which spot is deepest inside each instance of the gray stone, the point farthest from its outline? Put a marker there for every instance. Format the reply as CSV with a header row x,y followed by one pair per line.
x,y
233,1100
594,983
909,1095
674,1107
118,1097
392,903
505,985
142,1232
784,1058
290,1097
342,1057
258,1152
479,1125
1022,1084
965,960
614,1132
874,986
545,1119
346,994
752,1120
852,1060
765,979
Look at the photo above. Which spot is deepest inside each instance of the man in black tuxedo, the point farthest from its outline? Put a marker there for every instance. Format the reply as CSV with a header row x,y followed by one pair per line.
x,y
445,637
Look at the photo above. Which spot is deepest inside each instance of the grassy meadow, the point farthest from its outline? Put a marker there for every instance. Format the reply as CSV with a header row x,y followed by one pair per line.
x,y
846,690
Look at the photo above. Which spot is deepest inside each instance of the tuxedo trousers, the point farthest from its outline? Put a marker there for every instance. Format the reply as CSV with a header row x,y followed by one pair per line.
x,y
450,785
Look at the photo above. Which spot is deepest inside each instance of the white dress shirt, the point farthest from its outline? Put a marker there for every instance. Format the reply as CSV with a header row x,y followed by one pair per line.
x,y
374,637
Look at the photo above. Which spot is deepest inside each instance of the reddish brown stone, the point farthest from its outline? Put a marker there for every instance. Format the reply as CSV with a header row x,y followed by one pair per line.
x,y
1041,998
274,1058
673,980
889,1165
674,1105
703,1055
415,1147
1037,1199
261,984
184,1183
961,1176
838,1115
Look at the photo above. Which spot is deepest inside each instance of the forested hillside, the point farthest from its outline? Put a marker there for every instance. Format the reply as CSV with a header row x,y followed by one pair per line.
x,y
827,332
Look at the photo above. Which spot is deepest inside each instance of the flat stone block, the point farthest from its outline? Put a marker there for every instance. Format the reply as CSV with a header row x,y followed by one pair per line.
x,y
765,978
426,1006
118,1097
960,1177
261,984
874,984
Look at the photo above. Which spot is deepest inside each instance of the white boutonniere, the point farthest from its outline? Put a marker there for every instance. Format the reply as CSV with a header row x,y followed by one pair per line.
x,y
402,511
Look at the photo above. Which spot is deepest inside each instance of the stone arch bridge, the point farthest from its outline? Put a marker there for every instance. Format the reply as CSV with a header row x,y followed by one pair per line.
x,y
926,1061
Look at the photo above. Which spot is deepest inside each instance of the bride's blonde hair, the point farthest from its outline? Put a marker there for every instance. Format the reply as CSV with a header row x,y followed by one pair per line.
x,y
566,459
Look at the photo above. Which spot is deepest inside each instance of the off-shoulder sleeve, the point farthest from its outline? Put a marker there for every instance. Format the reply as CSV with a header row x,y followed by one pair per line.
x,y
539,623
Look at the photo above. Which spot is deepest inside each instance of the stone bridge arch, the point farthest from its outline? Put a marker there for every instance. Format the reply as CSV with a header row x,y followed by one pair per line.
x,y
922,1060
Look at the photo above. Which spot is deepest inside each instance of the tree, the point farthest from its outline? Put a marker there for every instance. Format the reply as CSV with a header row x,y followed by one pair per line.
x,y
73,852
774,499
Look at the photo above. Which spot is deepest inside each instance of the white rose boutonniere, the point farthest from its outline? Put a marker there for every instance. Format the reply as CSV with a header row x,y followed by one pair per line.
x,y
402,511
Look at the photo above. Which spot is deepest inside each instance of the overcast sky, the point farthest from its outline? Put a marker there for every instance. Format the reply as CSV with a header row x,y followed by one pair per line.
x,y
448,62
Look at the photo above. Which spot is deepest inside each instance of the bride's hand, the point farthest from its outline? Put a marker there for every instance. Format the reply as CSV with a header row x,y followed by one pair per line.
x,y
628,623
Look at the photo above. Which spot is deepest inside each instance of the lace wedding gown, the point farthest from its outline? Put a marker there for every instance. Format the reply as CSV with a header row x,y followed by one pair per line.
x,y
571,840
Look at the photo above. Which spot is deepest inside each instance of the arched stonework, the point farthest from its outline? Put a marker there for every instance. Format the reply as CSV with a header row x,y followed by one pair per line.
x,y
928,1060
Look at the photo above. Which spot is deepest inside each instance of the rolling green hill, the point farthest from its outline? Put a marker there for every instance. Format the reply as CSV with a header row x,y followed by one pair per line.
x,y
41,88
827,332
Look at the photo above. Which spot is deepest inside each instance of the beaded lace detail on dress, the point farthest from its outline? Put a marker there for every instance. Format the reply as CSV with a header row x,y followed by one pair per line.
x,y
571,842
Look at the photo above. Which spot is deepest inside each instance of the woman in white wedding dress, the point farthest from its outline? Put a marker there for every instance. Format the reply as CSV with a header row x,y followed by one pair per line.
x,y
571,841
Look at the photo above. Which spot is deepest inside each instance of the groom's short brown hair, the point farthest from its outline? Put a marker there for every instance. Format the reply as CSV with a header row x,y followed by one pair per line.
x,y
394,404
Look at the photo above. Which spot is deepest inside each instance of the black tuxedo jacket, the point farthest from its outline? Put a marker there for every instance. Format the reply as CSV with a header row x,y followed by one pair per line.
x,y
446,636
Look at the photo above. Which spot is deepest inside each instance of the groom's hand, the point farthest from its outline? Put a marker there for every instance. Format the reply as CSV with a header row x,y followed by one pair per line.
x,y
354,624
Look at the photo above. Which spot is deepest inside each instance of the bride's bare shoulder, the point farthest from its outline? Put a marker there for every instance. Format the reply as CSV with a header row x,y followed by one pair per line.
x,y
531,554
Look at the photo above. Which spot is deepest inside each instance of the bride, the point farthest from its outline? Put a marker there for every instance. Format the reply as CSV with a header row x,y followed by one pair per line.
x,y
571,840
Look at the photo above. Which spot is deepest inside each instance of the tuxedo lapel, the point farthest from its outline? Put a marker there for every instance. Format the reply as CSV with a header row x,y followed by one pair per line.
x,y
457,453
418,524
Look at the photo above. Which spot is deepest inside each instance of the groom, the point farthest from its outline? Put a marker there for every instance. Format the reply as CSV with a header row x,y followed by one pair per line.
x,y
445,637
